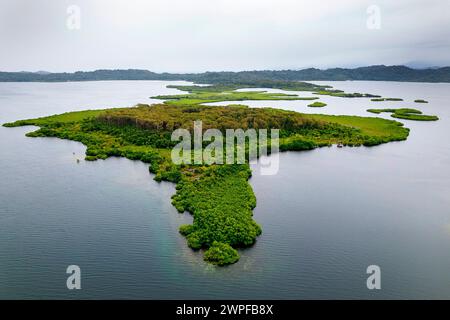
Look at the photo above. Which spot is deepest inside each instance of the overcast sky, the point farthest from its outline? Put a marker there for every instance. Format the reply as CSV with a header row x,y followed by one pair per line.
x,y
200,35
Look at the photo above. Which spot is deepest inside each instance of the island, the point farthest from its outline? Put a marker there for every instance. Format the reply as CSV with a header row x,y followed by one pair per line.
x,y
218,196
406,113
317,104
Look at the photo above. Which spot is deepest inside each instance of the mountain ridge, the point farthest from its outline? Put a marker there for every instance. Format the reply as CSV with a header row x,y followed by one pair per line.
x,y
375,73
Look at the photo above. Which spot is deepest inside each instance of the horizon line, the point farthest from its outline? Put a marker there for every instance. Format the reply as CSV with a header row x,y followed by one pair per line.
x,y
44,72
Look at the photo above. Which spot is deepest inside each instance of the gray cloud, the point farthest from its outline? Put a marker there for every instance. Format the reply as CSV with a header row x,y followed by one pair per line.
x,y
199,35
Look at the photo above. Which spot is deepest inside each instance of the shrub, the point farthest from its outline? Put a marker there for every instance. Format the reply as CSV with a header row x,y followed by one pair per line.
x,y
406,113
218,196
194,241
186,229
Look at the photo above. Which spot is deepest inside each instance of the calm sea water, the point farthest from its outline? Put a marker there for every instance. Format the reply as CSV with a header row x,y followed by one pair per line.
x,y
326,216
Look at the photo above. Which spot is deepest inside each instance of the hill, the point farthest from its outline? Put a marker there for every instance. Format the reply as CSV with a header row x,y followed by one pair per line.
x,y
377,73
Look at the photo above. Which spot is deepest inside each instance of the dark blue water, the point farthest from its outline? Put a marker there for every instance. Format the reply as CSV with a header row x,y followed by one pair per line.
x,y
326,215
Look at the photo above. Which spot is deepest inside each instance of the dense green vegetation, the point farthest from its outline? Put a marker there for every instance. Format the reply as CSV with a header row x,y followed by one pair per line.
x,y
218,196
317,129
218,93
317,104
406,113
221,201
386,99
420,101
221,254
208,97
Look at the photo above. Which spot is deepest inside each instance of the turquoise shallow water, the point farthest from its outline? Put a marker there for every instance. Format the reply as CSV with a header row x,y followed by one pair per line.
x,y
326,215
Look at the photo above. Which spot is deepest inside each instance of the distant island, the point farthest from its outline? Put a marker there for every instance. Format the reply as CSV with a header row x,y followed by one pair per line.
x,y
375,73
218,196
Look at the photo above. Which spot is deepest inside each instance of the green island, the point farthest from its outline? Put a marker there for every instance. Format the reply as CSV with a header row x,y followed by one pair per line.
x,y
406,113
218,196
317,104
219,93
420,101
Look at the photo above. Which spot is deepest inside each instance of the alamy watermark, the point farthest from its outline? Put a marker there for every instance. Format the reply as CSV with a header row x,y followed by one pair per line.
x,y
73,21
373,21
237,147
374,280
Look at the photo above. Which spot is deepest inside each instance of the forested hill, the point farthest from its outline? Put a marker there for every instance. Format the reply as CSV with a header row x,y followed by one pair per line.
x,y
384,73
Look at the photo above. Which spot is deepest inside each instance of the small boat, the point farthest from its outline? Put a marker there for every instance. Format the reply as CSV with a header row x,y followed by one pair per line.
x,y
340,145
78,160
